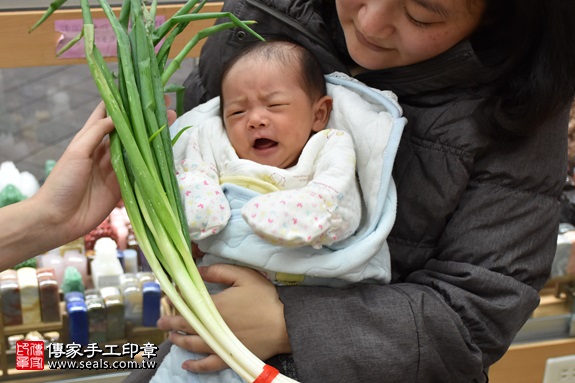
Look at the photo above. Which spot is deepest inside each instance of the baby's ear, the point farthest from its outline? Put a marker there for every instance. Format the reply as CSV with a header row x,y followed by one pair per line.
x,y
322,112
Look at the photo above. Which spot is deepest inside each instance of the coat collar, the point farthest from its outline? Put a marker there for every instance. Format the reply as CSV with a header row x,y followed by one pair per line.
x,y
458,67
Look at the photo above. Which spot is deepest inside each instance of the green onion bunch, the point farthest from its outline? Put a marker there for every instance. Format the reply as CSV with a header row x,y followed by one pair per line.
x,y
143,161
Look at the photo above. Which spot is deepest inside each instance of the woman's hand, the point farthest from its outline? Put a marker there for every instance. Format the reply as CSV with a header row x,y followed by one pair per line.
x,y
82,189
77,196
251,308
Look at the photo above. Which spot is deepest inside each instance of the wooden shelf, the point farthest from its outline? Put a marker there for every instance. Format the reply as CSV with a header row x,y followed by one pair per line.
x,y
40,327
22,49
133,334
525,363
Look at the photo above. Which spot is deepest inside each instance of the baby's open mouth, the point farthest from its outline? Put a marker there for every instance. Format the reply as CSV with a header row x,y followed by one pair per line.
x,y
264,143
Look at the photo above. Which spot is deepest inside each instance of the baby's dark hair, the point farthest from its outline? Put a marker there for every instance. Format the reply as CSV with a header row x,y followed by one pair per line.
x,y
310,77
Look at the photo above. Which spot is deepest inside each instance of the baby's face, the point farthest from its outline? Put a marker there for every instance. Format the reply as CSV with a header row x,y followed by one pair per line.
x,y
268,116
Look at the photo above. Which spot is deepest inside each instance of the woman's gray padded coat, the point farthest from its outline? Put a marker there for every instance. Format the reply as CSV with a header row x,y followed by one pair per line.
x,y
476,224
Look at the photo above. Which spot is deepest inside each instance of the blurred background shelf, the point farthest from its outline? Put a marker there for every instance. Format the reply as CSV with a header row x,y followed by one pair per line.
x,y
22,49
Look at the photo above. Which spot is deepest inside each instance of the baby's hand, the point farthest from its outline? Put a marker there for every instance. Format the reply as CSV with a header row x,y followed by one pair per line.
x,y
206,206
294,218
196,252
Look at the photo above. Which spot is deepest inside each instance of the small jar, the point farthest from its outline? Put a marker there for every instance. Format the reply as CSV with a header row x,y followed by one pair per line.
x,y
49,295
151,297
96,317
116,325
29,295
132,294
10,292
78,330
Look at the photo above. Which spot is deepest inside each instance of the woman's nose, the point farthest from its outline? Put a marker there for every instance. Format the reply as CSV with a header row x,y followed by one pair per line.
x,y
377,19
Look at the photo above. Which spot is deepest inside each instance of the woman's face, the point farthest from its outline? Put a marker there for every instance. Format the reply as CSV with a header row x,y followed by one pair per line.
x,y
383,34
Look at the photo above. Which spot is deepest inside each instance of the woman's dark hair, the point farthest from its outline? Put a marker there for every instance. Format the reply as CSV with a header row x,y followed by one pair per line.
x,y
530,45
310,73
